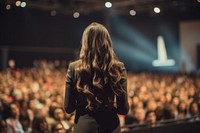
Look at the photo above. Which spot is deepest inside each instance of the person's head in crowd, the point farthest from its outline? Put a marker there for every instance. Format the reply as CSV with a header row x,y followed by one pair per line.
x,y
182,110
3,126
160,110
151,105
139,114
23,106
175,101
25,121
135,100
58,128
59,99
52,106
58,114
170,112
191,92
194,109
40,125
13,111
151,118
168,97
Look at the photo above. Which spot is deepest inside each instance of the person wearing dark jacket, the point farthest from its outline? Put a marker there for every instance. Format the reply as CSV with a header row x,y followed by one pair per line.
x,y
96,84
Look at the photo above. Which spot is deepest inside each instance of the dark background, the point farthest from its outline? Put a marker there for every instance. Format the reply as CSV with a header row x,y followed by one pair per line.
x,y
28,34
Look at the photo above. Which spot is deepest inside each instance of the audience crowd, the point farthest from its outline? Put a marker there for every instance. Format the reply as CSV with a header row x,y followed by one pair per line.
x,y
31,99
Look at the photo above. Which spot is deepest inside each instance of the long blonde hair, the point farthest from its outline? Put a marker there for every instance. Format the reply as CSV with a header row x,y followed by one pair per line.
x,y
99,66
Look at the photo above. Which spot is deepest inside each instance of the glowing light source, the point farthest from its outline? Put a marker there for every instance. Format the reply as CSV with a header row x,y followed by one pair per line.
x,y
8,7
162,54
108,4
156,10
53,13
198,1
23,4
18,3
132,12
76,14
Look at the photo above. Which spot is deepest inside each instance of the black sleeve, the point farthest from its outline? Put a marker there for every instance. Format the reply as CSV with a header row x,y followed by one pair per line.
x,y
70,102
122,100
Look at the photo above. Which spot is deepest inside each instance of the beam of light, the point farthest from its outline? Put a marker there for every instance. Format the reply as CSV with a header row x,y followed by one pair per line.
x,y
133,58
131,35
137,50
162,54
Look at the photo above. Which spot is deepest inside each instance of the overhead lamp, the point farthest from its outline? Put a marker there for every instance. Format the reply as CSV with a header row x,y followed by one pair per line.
x,y
23,4
8,7
108,4
156,9
18,3
132,12
76,14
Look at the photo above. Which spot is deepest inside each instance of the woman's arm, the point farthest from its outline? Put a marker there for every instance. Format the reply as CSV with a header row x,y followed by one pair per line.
x,y
122,100
70,102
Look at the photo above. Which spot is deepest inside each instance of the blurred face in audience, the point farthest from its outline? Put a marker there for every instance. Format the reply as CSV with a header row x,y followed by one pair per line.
x,y
182,106
168,97
191,92
151,105
58,114
14,110
43,125
140,115
194,109
151,117
59,129
175,101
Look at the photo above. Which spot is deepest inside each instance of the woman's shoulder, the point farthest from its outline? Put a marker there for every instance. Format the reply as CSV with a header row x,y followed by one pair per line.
x,y
74,63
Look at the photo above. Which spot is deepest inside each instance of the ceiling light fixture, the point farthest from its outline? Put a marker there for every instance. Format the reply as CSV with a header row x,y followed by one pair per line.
x,y
108,4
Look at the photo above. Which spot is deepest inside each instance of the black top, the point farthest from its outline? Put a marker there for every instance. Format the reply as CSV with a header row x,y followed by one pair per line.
x,y
76,101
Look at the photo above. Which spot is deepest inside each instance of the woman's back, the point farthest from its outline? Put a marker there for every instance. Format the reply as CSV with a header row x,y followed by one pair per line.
x,y
96,84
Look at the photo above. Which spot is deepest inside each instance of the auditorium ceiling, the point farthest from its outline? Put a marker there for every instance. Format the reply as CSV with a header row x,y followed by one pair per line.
x,y
118,6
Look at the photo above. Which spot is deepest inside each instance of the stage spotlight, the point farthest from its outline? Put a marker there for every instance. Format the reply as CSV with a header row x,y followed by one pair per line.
x,y
8,7
23,4
132,12
156,10
108,4
18,3
76,14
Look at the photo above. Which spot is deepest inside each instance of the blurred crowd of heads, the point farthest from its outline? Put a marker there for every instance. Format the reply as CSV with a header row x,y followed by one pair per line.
x,y
34,98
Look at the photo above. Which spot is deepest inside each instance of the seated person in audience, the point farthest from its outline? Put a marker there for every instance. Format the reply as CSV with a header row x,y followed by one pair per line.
x,y
182,110
40,125
59,116
26,122
151,118
14,125
58,128
139,114
194,112
3,126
